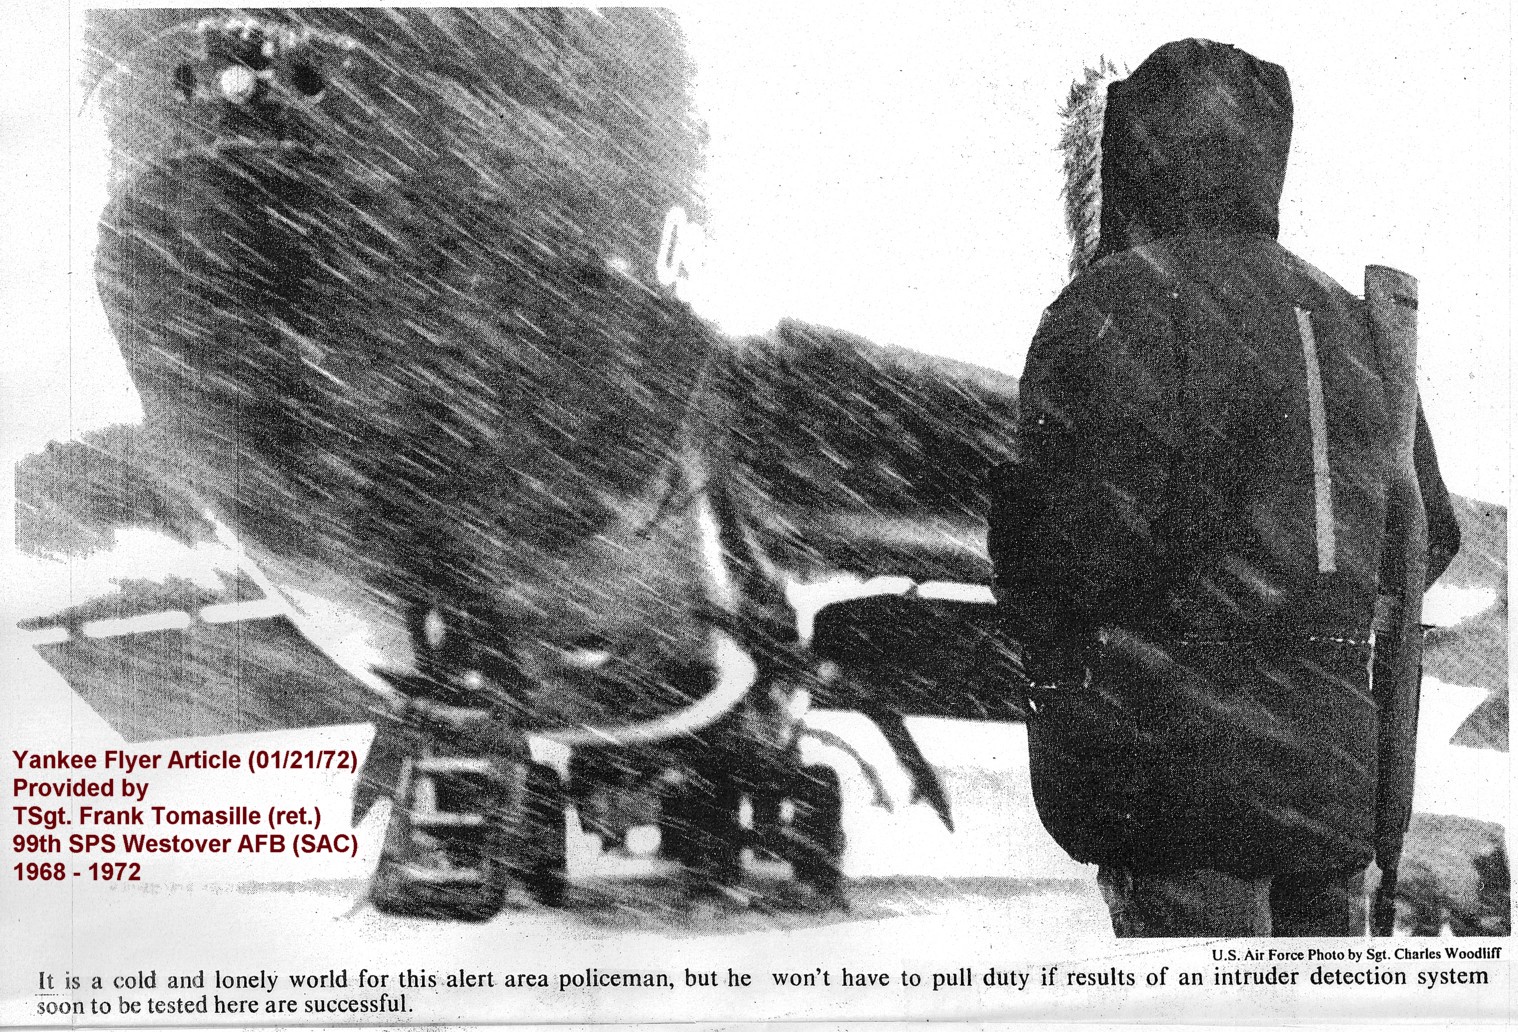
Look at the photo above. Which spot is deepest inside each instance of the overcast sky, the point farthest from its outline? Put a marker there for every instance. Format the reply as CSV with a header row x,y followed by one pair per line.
x,y
892,170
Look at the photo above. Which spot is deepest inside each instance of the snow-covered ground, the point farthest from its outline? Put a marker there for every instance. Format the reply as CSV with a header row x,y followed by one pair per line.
x,y
997,888
985,765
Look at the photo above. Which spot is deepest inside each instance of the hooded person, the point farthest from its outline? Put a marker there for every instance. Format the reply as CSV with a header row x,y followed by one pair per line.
x,y
1190,546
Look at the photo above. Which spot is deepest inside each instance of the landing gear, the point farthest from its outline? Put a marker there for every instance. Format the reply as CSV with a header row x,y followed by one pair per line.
x,y
540,843
473,817
476,823
699,829
440,857
801,823
465,829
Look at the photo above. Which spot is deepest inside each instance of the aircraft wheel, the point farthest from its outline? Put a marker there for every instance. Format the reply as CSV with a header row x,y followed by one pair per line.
x,y
543,844
816,833
440,855
387,889
677,835
767,836
699,829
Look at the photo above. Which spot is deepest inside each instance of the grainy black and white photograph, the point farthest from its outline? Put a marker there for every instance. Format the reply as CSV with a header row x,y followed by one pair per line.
x,y
540,515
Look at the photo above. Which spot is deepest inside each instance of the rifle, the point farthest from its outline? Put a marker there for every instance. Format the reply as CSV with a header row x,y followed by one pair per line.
x,y
1391,301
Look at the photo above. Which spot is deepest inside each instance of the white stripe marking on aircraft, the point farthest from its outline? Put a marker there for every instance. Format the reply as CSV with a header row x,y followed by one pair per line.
x,y
231,612
170,620
165,620
45,636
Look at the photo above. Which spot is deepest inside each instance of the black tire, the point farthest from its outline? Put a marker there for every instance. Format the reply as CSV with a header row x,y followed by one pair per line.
x,y
387,890
543,846
677,836
699,829
394,891
816,835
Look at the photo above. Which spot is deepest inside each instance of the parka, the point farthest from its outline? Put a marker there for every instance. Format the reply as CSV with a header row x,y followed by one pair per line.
x,y
1190,546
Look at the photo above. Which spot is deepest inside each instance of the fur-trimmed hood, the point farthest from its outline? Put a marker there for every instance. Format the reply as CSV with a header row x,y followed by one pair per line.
x,y
1195,139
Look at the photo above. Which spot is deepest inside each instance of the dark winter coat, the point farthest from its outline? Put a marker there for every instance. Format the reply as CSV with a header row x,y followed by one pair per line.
x,y
1200,513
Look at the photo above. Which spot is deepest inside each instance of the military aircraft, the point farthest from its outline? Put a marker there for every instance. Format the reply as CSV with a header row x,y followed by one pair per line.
x,y
403,294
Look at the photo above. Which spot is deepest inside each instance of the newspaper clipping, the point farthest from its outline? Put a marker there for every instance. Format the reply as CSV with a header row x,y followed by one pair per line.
x,y
770,514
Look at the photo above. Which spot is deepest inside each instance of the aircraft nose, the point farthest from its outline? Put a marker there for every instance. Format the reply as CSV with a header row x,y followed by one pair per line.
x,y
244,61
224,84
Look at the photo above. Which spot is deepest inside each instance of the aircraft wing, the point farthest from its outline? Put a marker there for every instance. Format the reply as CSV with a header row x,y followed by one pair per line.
x,y
856,457
145,614
846,456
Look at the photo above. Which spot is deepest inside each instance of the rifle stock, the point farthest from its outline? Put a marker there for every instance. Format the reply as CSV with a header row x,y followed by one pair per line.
x,y
1392,312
